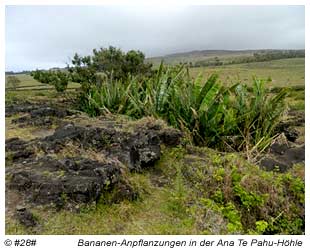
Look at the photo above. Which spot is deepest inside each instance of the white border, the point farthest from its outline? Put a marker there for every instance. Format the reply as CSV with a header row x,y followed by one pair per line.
x,y
52,242
154,2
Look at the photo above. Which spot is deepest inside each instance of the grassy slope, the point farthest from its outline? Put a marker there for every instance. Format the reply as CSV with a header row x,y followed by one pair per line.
x,y
152,213
200,56
284,72
161,209
185,205
27,80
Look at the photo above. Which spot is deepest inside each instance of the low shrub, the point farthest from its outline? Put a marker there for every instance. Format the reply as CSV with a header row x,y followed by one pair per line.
x,y
236,117
58,79
251,200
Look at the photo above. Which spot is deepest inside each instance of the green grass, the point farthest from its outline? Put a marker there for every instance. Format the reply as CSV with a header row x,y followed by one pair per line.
x,y
187,203
204,193
153,213
224,56
284,72
27,80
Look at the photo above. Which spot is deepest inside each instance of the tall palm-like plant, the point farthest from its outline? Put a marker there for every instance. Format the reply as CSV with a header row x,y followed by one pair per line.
x,y
257,113
217,116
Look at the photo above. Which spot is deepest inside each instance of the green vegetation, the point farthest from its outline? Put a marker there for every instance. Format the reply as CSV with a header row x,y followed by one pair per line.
x,y
250,199
223,117
28,83
111,63
58,79
284,72
204,193
215,115
259,56
203,58
191,189
12,82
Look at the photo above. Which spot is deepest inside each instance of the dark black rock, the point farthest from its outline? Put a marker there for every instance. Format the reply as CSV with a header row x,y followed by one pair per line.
x,y
21,155
14,109
14,144
277,148
47,180
171,137
136,150
144,157
25,217
18,150
295,155
284,160
291,134
38,122
49,111
97,137
270,164
144,150
37,115
51,181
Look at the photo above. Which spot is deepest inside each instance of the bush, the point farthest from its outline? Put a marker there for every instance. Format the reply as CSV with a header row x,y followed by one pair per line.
x,y
249,198
58,79
222,117
112,62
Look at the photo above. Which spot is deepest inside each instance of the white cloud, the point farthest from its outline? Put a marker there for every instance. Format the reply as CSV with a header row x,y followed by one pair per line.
x,y
39,36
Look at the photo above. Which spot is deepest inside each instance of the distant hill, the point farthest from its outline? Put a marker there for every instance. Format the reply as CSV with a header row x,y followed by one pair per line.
x,y
27,72
7,73
224,56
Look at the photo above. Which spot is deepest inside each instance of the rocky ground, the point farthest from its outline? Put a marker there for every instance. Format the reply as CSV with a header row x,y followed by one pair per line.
x,y
61,158
82,159
288,148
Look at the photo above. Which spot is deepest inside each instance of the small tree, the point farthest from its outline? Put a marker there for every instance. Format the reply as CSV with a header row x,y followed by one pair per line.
x,y
60,81
111,61
12,82
57,78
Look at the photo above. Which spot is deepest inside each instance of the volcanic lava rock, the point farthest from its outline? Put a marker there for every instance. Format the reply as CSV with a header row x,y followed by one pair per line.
x,y
170,137
282,157
295,154
14,144
270,164
41,122
42,117
288,127
137,149
52,181
44,174
16,108
291,134
49,111
18,150
25,217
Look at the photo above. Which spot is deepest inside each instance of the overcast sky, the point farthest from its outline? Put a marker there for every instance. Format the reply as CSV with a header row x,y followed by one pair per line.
x,y
47,36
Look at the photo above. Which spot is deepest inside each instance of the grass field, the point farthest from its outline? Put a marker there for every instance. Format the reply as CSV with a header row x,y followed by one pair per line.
x,y
195,56
284,72
168,202
27,81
